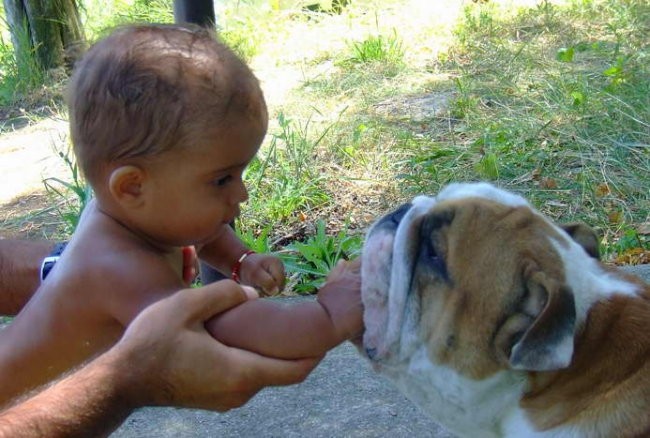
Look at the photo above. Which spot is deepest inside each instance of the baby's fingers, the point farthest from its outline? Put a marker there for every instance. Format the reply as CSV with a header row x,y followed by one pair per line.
x,y
270,282
268,285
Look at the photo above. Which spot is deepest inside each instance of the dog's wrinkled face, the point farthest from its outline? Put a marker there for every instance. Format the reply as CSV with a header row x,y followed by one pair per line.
x,y
463,291
473,276
471,296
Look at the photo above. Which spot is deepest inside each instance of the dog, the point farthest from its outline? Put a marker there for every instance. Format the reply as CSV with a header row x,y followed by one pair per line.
x,y
498,323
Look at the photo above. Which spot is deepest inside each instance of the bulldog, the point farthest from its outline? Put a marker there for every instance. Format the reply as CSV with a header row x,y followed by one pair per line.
x,y
498,323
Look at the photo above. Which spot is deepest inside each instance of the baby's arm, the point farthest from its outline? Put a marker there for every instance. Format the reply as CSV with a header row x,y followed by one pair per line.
x,y
263,271
300,330
223,251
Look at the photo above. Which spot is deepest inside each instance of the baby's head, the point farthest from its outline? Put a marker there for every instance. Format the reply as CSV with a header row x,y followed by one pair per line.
x,y
160,105
148,89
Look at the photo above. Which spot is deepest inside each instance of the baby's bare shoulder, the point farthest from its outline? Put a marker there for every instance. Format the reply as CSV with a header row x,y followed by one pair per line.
x,y
114,271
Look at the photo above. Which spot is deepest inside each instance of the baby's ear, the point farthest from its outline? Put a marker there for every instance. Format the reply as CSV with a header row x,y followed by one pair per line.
x,y
126,185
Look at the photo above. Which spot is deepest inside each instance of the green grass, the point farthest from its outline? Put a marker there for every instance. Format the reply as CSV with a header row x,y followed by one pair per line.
x,y
282,181
20,73
555,103
378,48
551,101
312,260
69,196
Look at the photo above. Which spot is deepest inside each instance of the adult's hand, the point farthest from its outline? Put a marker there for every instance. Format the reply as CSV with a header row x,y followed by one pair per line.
x,y
166,357
170,359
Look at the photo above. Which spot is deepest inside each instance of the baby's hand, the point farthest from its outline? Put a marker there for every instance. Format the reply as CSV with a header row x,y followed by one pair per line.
x,y
341,296
346,271
263,271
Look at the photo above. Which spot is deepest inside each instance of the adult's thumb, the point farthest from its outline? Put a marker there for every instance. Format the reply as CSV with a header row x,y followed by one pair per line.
x,y
210,300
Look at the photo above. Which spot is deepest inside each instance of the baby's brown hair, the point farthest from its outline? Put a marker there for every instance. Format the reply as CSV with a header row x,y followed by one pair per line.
x,y
146,89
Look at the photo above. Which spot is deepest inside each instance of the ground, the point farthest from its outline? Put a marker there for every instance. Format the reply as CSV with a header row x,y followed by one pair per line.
x,y
28,155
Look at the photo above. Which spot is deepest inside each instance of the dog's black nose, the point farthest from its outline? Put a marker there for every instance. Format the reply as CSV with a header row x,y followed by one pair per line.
x,y
371,352
398,214
391,220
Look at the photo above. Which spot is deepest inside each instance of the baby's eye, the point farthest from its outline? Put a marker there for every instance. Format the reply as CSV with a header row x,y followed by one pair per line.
x,y
222,181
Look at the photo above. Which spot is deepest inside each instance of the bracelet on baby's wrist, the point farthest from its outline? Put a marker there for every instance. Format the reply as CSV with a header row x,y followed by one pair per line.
x,y
237,266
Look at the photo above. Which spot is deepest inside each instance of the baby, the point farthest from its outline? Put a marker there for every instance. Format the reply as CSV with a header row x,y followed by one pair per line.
x,y
164,120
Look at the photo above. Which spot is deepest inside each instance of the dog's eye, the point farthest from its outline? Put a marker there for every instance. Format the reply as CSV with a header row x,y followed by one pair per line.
x,y
432,255
433,260
432,240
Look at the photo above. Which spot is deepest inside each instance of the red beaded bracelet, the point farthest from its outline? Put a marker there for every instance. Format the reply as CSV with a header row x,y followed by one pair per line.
x,y
237,266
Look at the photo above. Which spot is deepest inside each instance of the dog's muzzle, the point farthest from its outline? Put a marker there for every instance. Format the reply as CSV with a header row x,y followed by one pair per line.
x,y
386,272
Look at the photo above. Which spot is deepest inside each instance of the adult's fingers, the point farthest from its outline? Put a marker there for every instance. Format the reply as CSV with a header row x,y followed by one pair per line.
x,y
263,371
209,300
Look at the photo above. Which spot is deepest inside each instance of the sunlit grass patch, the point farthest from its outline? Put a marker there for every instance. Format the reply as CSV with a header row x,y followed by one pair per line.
x,y
283,180
554,101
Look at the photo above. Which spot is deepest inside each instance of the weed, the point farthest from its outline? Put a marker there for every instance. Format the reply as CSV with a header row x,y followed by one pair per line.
x,y
556,106
285,180
240,32
378,48
145,11
488,167
314,258
71,196
628,240
258,243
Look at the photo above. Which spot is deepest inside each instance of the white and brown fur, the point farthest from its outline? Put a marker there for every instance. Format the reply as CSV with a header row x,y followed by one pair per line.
x,y
497,322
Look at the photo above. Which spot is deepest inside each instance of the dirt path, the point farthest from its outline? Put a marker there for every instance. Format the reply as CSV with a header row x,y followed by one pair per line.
x,y
27,156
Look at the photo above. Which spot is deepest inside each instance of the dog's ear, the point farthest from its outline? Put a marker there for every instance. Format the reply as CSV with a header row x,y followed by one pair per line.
x,y
539,336
584,236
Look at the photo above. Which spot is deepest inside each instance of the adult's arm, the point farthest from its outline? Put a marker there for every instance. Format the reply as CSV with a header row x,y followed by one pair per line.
x,y
166,358
20,265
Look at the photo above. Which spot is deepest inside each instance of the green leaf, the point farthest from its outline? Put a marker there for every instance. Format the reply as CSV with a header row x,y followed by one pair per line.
x,y
488,167
578,98
565,54
612,71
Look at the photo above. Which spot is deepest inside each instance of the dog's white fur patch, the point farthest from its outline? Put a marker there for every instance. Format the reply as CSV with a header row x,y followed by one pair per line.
x,y
467,407
583,273
480,190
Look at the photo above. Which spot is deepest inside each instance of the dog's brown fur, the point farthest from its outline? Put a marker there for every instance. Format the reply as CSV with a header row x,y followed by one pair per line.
x,y
606,389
